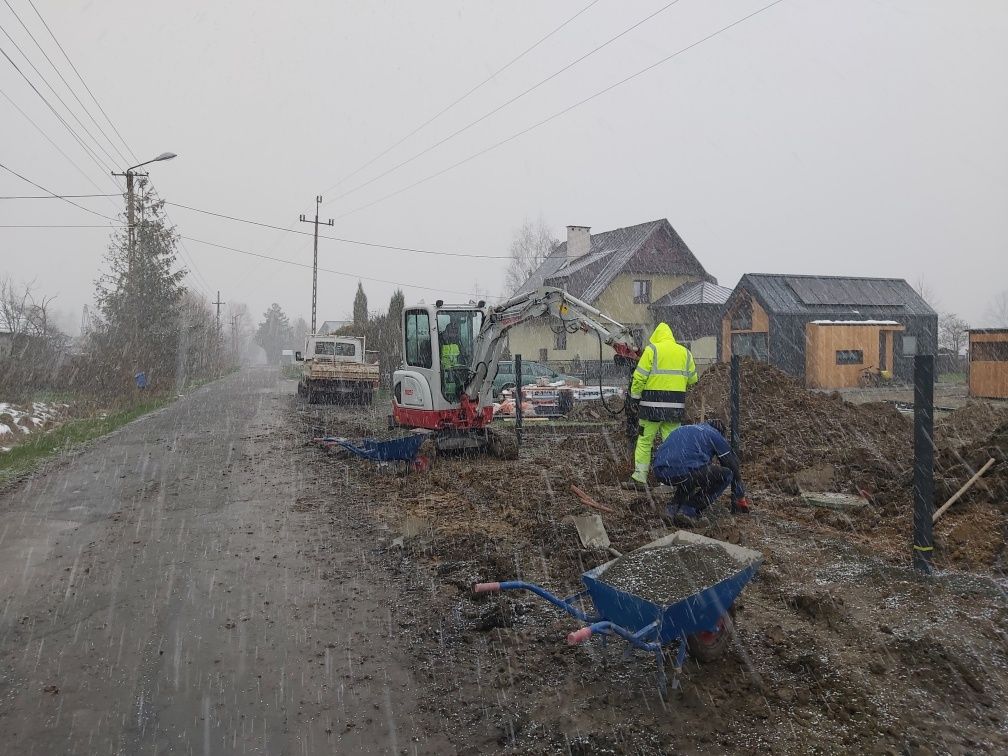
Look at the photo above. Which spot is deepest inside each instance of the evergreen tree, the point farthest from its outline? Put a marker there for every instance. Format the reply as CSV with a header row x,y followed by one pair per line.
x,y
360,311
140,295
274,333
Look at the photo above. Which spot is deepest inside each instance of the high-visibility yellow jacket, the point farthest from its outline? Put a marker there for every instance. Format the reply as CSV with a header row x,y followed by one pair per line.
x,y
663,373
449,356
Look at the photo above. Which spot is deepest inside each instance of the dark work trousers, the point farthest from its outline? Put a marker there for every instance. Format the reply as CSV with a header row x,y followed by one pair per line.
x,y
701,488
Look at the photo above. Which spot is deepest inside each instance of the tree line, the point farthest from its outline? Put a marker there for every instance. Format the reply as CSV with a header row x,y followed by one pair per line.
x,y
147,321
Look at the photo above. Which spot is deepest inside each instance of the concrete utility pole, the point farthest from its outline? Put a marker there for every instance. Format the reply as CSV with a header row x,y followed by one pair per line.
x,y
314,277
218,303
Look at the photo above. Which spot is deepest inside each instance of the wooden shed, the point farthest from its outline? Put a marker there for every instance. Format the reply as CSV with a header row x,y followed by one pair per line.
x,y
988,363
837,352
767,317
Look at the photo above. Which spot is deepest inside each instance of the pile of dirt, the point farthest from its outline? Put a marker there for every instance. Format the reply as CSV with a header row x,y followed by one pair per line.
x,y
785,428
787,431
969,423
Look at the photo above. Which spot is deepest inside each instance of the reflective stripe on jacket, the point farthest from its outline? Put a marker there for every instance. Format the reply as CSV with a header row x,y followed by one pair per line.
x,y
663,373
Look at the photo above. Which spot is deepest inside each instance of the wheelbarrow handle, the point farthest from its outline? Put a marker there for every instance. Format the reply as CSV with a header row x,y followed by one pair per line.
x,y
579,636
486,587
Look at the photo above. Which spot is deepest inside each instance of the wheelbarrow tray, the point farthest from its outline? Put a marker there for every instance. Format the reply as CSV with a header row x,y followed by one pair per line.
x,y
699,612
405,448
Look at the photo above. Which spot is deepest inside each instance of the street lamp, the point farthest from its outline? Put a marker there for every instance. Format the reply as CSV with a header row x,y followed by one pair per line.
x,y
129,197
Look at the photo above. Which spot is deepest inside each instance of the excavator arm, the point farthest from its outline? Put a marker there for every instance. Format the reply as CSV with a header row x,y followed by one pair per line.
x,y
569,312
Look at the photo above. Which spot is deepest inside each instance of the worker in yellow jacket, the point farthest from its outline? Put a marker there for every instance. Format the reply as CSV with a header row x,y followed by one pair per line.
x,y
664,372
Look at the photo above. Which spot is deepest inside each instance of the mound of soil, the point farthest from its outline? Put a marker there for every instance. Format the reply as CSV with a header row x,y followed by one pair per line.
x,y
787,430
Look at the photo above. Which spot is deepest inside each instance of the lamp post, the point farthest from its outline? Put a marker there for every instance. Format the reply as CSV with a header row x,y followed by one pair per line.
x,y
129,174
131,231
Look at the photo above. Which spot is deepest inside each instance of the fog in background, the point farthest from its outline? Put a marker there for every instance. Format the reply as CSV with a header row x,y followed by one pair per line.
x,y
854,138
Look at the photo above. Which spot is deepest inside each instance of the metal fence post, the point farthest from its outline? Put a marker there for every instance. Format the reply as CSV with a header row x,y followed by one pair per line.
x,y
736,388
923,474
518,398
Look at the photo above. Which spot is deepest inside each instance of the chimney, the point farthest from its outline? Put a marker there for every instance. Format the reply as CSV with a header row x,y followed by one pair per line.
x,y
578,241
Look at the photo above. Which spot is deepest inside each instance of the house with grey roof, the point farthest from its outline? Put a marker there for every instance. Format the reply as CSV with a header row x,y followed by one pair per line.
x,y
621,272
828,330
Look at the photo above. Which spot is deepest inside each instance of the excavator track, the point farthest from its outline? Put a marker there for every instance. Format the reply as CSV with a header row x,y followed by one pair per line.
x,y
501,444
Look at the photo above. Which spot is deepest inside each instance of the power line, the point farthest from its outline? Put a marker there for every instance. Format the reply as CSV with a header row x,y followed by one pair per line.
x,y
53,196
56,95
338,238
503,105
52,225
50,140
104,168
64,198
325,270
67,84
455,102
559,113
125,144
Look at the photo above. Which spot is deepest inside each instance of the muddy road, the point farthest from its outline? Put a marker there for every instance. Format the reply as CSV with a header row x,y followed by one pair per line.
x,y
162,593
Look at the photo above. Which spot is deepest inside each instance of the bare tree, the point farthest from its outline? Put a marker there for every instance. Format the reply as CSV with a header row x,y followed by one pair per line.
x,y
21,312
531,244
997,312
952,332
923,288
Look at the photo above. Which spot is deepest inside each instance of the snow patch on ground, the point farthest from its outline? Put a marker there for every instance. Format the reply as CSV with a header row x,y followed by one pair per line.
x,y
20,420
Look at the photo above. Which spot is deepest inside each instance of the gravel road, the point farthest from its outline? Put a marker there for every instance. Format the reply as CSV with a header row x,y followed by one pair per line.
x,y
162,594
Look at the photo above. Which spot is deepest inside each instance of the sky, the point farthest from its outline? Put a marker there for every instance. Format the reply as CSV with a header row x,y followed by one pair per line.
x,y
843,137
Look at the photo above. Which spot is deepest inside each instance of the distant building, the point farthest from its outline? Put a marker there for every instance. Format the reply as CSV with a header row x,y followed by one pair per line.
x,y
988,363
621,272
828,329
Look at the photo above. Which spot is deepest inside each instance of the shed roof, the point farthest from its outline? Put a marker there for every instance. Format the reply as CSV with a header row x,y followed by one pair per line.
x,y
694,293
798,294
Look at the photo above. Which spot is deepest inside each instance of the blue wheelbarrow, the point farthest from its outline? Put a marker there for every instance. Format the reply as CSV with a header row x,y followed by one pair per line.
x,y
397,449
700,623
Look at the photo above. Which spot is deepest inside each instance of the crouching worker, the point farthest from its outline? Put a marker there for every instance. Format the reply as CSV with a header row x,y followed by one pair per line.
x,y
699,463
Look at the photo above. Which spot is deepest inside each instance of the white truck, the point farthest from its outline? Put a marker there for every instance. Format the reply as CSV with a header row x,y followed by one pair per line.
x,y
337,369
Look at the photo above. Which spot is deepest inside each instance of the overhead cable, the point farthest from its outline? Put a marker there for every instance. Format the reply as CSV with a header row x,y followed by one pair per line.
x,y
559,113
456,101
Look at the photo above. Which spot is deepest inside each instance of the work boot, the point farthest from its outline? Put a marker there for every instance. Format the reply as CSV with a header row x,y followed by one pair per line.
x,y
685,517
634,485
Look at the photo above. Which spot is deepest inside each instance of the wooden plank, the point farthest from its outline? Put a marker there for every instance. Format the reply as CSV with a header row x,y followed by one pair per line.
x,y
958,494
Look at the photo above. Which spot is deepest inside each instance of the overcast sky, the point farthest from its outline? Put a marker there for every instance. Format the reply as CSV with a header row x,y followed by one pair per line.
x,y
820,136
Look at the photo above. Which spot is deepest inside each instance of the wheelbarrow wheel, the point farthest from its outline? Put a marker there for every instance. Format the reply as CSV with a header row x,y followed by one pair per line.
x,y
710,646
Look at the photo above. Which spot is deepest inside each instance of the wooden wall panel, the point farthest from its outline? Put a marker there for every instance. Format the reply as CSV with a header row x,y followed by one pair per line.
x,y
988,378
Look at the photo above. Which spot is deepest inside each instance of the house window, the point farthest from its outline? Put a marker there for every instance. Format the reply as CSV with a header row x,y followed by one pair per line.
x,y
741,319
642,291
543,354
849,357
418,339
560,342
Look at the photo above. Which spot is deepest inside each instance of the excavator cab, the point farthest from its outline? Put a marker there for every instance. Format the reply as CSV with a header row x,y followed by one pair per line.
x,y
438,343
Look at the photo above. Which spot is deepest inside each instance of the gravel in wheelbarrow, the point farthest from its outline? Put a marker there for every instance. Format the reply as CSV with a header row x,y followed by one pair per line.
x,y
668,574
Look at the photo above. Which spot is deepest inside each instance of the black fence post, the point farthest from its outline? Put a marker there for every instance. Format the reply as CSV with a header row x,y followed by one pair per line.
x,y
923,475
518,399
736,388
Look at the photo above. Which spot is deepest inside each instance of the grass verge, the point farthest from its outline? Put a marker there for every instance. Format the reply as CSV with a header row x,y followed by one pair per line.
x,y
28,455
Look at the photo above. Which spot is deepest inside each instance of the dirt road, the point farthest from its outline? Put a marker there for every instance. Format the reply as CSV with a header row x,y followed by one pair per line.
x,y
161,594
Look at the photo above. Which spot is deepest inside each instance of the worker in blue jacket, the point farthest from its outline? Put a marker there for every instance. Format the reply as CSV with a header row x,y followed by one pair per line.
x,y
699,463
